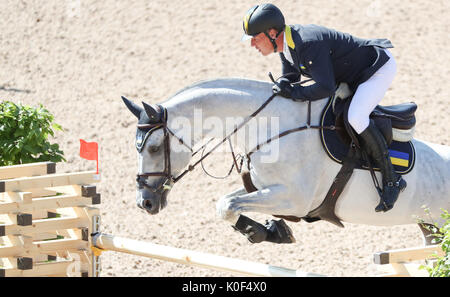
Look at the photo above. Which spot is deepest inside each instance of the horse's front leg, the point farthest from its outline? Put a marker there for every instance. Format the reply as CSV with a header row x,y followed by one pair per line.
x,y
271,200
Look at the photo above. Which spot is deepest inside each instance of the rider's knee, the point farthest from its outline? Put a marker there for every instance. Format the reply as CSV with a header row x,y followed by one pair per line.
x,y
358,123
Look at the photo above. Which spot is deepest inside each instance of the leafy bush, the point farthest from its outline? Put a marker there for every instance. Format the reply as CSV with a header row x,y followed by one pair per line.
x,y
442,234
24,133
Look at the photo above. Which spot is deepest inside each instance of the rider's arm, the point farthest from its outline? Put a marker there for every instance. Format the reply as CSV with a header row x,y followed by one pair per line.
x,y
317,61
288,71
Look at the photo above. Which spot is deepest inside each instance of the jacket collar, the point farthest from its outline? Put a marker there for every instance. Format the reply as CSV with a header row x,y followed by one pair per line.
x,y
288,37
288,45
289,51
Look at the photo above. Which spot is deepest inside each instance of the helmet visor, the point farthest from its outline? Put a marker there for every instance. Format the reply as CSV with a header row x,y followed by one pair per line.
x,y
246,37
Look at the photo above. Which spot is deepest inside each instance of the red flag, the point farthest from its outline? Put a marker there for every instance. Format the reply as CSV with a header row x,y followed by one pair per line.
x,y
89,151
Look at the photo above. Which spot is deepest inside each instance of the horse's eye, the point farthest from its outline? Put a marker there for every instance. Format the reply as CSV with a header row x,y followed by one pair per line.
x,y
153,149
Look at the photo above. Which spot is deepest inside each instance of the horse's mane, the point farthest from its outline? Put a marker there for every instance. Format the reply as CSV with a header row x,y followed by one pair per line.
x,y
227,83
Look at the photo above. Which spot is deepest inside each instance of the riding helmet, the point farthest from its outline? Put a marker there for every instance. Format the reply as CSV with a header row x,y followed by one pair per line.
x,y
261,18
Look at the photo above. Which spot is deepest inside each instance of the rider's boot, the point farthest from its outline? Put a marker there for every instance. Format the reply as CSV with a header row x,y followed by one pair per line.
x,y
393,183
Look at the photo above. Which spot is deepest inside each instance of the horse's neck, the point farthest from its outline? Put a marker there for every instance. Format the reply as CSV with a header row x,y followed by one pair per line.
x,y
215,111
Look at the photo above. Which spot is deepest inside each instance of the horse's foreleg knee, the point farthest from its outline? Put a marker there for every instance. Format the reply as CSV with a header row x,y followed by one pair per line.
x,y
227,208
231,207
226,211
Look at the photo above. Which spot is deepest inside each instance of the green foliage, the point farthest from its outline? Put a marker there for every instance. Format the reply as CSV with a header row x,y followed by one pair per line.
x,y
442,234
24,133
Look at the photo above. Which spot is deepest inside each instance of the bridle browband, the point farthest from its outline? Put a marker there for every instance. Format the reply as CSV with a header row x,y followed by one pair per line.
x,y
170,180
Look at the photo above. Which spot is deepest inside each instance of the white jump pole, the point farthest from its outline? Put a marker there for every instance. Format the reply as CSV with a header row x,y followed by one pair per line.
x,y
192,258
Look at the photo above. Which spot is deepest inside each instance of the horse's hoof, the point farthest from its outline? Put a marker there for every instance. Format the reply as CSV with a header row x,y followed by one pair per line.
x,y
279,232
256,234
254,231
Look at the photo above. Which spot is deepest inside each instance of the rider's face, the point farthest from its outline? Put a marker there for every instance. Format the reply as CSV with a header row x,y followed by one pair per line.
x,y
262,43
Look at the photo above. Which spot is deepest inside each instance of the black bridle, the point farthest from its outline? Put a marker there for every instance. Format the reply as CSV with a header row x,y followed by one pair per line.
x,y
170,180
141,178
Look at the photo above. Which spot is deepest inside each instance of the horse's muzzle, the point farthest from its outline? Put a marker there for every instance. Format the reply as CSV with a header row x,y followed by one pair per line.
x,y
150,201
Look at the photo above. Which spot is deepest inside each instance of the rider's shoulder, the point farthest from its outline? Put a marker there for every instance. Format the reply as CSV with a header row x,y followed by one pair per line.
x,y
308,33
306,28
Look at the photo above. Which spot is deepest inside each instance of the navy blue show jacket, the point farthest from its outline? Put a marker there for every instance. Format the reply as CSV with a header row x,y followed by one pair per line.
x,y
330,57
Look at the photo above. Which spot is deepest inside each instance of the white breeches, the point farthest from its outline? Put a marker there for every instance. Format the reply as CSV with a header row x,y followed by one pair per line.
x,y
370,93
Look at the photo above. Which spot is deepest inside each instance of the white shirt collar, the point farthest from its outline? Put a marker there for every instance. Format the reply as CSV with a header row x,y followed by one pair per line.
x,y
286,51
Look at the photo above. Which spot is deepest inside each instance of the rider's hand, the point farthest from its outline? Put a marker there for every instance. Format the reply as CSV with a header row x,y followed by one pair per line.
x,y
283,87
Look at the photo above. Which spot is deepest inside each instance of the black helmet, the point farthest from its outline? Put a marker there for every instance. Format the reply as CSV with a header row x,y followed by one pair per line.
x,y
261,18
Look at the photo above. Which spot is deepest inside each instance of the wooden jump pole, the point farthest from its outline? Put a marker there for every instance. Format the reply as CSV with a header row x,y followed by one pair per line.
x,y
398,262
192,258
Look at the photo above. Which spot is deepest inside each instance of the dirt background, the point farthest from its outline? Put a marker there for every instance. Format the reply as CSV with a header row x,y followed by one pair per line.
x,y
78,57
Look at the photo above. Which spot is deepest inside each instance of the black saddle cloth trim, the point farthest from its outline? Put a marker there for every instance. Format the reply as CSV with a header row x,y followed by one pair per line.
x,y
402,153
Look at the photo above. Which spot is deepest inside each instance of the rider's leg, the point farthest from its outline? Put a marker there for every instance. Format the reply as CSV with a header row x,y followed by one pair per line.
x,y
366,98
369,94
375,145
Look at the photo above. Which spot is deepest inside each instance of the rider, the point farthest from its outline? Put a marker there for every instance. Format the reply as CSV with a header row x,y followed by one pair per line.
x,y
330,57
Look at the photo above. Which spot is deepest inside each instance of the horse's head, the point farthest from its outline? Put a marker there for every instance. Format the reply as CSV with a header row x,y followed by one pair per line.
x,y
160,158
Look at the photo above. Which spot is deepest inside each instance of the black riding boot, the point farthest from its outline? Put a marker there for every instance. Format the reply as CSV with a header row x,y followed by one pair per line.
x,y
393,183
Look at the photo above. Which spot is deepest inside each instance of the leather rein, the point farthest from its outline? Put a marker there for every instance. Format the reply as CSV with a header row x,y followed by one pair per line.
x,y
170,180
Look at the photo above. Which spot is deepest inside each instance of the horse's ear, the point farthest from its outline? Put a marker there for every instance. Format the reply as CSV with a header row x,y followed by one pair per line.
x,y
134,108
152,112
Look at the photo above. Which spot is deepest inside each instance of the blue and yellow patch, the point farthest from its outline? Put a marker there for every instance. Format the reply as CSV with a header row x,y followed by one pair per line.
x,y
399,158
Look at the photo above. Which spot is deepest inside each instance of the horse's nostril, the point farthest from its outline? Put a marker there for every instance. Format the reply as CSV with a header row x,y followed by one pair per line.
x,y
147,204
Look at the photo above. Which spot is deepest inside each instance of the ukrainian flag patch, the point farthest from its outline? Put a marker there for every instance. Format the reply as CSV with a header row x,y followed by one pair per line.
x,y
399,158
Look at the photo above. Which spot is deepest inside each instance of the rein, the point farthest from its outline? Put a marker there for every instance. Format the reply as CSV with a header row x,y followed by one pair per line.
x,y
249,118
287,132
167,173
